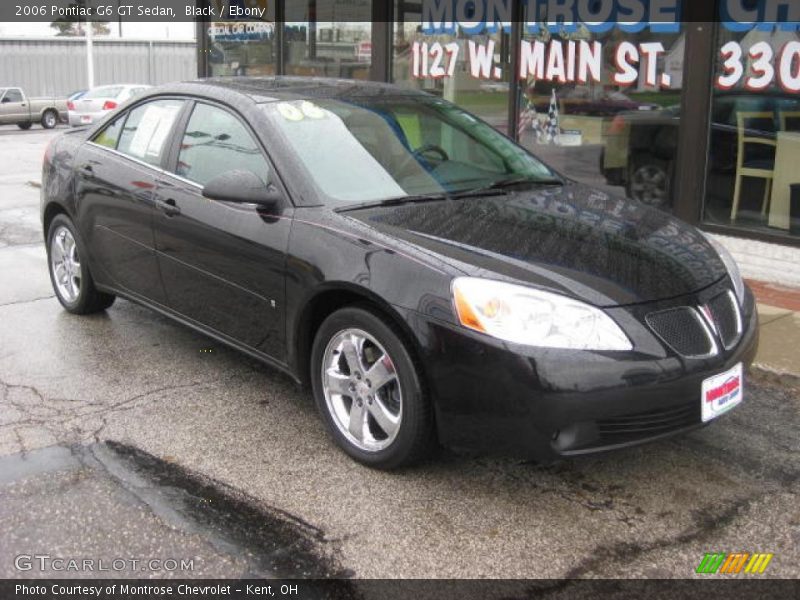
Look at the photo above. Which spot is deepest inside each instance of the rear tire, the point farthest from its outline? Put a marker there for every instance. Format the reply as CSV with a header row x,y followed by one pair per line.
x,y
362,369
24,126
68,265
49,119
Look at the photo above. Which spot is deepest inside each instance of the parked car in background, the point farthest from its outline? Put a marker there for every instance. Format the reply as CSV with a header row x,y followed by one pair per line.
x,y
97,102
71,98
75,95
641,147
17,109
582,100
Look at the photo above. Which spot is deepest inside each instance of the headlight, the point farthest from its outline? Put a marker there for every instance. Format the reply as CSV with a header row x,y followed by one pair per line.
x,y
730,265
527,316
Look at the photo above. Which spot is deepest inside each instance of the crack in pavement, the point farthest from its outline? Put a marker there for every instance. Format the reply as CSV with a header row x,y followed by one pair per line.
x,y
17,302
563,480
707,521
58,416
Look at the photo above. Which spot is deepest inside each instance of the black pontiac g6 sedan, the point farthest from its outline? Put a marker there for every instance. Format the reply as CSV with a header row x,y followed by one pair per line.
x,y
430,279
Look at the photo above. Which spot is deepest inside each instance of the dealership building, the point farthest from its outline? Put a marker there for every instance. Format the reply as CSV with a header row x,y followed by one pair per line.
x,y
694,109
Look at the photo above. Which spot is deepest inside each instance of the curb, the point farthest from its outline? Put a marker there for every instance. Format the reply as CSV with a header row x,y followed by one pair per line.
x,y
770,375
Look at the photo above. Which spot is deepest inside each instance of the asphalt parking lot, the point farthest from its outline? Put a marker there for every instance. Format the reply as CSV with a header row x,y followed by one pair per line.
x,y
126,427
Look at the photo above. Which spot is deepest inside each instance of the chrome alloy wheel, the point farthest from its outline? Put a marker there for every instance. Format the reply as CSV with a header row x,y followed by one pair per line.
x,y
65,265
362,390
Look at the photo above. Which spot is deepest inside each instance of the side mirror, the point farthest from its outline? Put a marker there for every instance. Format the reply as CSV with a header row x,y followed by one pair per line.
x,y
5,100
243,187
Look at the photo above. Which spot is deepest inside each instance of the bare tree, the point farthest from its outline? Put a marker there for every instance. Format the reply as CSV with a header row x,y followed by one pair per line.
x,y
74,26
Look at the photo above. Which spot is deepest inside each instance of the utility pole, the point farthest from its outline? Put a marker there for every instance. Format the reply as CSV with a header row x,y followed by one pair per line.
x,y
89,55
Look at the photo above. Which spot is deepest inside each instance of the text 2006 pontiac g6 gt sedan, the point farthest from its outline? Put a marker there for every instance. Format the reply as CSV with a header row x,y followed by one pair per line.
x,y
431,280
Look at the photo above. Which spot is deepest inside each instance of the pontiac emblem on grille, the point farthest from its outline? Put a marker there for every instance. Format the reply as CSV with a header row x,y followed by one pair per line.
x,y
709,317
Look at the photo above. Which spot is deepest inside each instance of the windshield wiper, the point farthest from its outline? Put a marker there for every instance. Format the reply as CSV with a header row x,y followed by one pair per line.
x,y
495,188
503,184
394,201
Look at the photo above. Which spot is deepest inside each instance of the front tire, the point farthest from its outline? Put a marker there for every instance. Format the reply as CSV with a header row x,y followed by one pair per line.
x,y
24,126
49,119
369,390
69,270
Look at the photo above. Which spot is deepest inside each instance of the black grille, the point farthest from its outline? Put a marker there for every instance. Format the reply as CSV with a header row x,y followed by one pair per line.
x,y
628,428
726,316
682,330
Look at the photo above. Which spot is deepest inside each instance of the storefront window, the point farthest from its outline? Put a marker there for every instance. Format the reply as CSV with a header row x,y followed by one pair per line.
x,y
328,38
243,47
604,107
753,179
470,70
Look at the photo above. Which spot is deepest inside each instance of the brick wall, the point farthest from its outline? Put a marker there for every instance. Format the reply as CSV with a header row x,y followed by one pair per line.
x,y
762,261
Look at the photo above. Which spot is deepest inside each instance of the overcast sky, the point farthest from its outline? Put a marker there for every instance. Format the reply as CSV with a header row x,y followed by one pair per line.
x,y
159,31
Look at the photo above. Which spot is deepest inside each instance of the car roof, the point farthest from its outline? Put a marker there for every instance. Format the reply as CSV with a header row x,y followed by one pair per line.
x,y
281,88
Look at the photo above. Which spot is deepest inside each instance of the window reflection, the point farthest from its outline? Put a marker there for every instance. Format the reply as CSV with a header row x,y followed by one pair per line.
x,y
147,129
246,47
323,39
753,181
619,138
216,142
108,137
398,146
485,96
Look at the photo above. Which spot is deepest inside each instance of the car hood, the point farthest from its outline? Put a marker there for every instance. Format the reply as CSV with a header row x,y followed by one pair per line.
x,y
573,240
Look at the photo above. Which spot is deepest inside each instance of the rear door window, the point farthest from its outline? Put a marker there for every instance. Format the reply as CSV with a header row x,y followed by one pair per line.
x,y
147,130
109,136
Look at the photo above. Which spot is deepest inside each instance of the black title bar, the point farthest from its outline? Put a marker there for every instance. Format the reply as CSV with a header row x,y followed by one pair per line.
x,y
706,588
472,16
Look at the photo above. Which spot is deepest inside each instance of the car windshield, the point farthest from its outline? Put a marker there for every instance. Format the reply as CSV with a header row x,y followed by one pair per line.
x,y
103,92
374,149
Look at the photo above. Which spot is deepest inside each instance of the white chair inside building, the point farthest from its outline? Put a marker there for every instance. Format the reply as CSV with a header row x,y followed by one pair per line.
x,y
758,168
789,120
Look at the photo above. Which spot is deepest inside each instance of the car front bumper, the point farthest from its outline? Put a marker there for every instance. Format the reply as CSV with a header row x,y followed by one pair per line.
x,y
544,404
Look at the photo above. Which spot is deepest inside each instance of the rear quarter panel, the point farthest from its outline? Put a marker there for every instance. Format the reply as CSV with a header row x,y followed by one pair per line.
x,y
58,175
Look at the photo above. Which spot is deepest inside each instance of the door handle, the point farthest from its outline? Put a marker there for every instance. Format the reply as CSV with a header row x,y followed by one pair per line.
x,y
87,170
168,207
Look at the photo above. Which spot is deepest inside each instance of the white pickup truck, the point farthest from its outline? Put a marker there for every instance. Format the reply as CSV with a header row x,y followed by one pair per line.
x,y
17,109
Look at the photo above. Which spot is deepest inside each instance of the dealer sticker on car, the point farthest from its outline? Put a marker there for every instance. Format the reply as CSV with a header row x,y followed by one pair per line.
x,y
722,392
